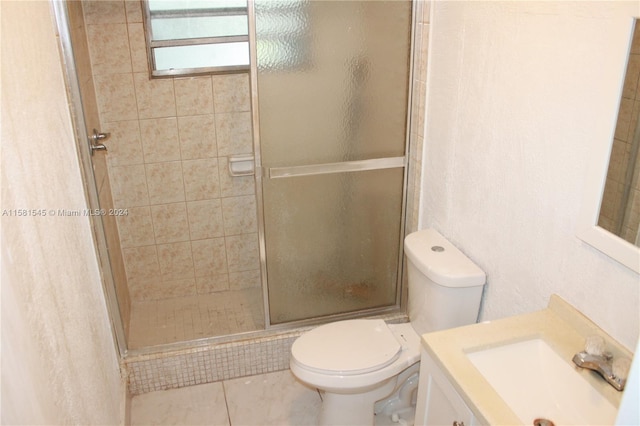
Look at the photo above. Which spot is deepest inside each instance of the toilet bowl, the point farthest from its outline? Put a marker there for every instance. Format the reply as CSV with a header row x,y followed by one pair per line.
x,y
356,363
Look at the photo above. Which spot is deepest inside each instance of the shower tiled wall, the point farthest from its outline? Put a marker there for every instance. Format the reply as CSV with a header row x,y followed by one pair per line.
x,y
191,228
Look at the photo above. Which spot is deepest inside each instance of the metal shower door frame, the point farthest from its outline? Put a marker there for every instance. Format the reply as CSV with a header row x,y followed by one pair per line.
x,y
84,148
316,169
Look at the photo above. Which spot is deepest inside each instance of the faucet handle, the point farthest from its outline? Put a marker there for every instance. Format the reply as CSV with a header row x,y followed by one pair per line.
x,y
594,345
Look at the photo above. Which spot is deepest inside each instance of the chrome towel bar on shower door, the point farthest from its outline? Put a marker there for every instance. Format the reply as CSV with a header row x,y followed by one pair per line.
x,y
345,166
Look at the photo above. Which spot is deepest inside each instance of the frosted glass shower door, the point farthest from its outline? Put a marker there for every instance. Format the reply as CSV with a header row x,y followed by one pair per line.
x,y
333,82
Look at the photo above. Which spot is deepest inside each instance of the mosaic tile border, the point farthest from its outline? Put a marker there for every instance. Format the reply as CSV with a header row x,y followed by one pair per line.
x,y
168,370
223,361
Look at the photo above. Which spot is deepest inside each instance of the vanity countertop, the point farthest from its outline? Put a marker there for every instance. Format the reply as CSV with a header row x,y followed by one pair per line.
x,y
560,325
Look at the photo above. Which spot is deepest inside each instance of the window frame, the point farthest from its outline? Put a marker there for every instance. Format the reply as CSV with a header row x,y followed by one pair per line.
x,y
152,44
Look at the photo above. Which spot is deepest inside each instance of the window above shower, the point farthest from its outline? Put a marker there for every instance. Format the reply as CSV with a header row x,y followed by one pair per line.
x,y
189,37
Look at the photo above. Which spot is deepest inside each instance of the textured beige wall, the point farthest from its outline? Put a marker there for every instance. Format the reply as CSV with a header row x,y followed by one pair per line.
x,y
59,365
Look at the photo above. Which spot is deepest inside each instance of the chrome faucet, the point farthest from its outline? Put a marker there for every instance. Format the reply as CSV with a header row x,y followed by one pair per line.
x,y
594,358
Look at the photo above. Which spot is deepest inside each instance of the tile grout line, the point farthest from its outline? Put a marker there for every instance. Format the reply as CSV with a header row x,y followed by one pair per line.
x,y
226,404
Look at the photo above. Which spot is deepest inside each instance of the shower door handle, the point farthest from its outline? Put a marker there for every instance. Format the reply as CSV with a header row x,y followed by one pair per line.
x,y
341,167
95,141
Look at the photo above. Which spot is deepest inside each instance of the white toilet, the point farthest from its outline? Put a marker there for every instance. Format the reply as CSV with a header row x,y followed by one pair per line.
x,y
358,362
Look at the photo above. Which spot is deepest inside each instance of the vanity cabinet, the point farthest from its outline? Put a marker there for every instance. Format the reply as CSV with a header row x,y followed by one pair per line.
x,y
438,402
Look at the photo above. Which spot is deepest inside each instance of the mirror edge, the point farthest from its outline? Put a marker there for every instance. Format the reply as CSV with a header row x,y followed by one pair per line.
x,y
587,229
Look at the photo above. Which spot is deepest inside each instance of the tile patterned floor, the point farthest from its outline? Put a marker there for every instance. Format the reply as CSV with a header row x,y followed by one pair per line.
x,y
273,399
194,317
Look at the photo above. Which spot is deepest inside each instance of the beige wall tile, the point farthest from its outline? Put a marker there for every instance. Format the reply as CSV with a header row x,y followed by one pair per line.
x,y
159,161
90,102
629,234
160,140
155,98
632,222
76,17
618,161
205,219
109,47
138,48
136,228
633,122
105,196
129,186
194,95
201,181
610,200
245,279
635,42
176,261
133,10
176,288
170,223
115,257
231,93
231,186
239,215
104,12
79,42
159,290
606,223
212,283
124,143
631,77
624,119
233,133
242,252
197,137
165,182
209,257
100,169
141,288
141,262
116,97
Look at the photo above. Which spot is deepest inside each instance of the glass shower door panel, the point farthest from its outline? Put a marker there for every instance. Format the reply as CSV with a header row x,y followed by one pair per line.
x,y
332,242
333,80
333,84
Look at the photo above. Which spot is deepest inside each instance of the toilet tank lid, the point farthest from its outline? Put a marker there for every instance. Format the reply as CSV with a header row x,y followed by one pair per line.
x,y
441,261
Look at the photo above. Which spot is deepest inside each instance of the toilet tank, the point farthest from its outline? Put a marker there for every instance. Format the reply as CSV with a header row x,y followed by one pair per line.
x,y
445,286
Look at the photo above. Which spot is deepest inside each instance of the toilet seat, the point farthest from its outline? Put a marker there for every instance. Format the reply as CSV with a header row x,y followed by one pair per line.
x,y
347,348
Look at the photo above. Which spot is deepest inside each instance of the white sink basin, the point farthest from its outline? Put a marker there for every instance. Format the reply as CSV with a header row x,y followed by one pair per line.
x,y
536,382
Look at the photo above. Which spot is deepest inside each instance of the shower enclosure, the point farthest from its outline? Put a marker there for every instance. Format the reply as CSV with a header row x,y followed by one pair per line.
x,y
197,251
332,96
